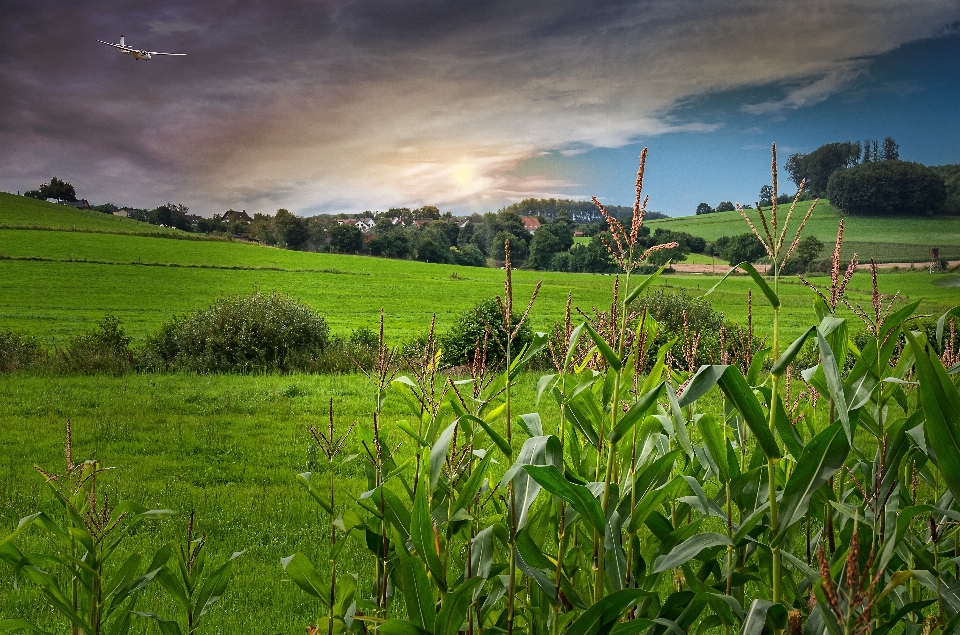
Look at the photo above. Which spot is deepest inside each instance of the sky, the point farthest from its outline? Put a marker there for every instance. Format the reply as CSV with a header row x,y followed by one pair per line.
x,y
344,106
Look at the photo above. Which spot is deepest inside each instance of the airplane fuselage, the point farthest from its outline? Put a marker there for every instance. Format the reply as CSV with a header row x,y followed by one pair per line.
x,y
140,55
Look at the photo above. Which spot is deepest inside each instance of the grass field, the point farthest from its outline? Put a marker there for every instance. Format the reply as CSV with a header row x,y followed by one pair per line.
x,y
230,446
885,239
20,211
227,446
60,283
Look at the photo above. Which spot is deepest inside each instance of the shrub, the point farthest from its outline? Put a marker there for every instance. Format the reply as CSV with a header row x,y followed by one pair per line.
x,y
243,333
18,352
469,256
459,343
683,317
104,349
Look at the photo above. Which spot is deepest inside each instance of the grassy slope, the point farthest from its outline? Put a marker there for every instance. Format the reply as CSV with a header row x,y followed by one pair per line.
x,y
62,295
885,239
20,211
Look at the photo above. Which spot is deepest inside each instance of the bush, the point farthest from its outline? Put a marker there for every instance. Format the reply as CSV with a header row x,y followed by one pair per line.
x,y
105,349
680,316
242,334
19,352
469,256
459,343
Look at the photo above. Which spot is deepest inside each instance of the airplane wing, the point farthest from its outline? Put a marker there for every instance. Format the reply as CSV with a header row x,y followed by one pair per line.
x,y
119,46
156,53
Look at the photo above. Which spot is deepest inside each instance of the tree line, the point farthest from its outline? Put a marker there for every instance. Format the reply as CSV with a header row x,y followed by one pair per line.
x,y
871,179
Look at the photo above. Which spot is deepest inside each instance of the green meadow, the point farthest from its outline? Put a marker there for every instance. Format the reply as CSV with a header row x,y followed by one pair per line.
x,y
20,211
61,283
229,447
884,239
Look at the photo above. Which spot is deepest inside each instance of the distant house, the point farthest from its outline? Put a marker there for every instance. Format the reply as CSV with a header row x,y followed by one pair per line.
x,y
81,204
363,224
232,216
123,211
531,224
578,234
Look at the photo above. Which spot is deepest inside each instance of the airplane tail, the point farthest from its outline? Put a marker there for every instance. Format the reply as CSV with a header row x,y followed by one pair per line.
x,y
121,41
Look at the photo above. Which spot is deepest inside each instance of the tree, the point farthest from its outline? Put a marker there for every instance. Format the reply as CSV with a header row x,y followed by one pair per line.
x,y
469,256
725,206
261,229
518,248
817,166
592,257
899,188
292,231
394,243
766,196
427,212
951,178
891,150
744,248
809,249
542,248
431,250
704,208
60,190
346,239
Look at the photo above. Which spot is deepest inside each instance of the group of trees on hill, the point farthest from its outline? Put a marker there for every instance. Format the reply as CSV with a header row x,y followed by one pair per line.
x,y
870,178
887,187
60,190
722,206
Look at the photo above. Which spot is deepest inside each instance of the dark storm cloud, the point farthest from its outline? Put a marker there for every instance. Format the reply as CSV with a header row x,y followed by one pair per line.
x,y
349,105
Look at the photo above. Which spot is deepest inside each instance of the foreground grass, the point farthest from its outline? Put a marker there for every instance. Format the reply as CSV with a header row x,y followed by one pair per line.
x,y
227,446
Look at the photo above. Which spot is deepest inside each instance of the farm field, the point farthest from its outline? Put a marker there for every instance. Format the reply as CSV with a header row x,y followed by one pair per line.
x,y
884,239
61,283
65,296
229,447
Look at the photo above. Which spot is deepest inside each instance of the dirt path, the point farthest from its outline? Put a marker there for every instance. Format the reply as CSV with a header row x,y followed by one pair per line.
x,y
721,267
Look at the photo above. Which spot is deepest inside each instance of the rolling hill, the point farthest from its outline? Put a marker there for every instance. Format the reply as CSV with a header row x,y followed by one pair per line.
x,y
63,269
884,239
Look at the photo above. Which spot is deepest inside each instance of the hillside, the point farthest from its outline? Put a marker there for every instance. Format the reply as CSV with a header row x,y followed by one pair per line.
x,y
58,283
884,239
20,211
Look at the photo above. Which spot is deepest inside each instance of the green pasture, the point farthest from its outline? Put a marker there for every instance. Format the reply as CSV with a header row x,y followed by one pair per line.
x,y
229,447
61,283
884,239
20,211
64,295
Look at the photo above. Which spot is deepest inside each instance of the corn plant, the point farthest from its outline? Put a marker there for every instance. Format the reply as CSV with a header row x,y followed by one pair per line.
x,y
193,592
78,576
645,507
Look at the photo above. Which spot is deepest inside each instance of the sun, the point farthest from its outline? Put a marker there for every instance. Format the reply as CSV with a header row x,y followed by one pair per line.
x,y
464,175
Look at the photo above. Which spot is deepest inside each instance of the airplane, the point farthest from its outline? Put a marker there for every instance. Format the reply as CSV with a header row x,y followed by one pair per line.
x,y
136,53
